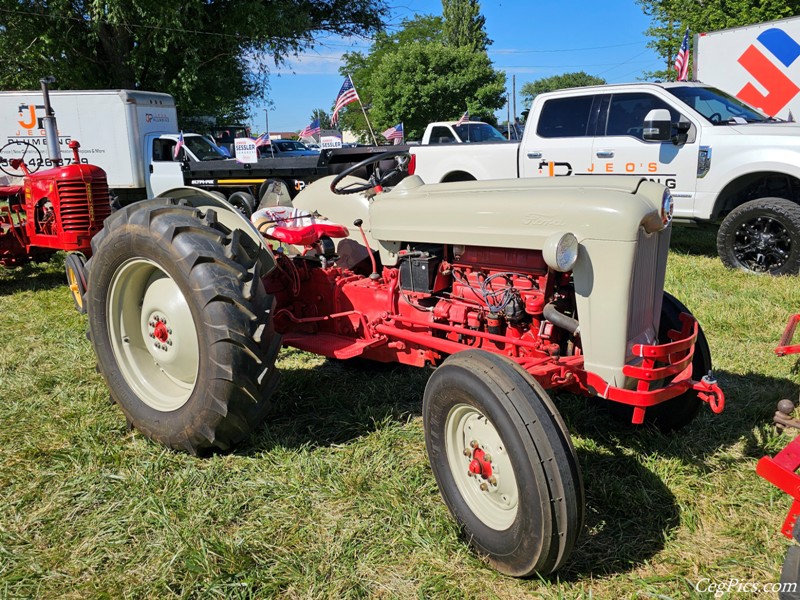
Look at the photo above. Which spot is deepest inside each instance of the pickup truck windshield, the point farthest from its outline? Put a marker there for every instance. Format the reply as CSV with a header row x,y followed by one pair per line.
x,y
717,106
203,149
478,132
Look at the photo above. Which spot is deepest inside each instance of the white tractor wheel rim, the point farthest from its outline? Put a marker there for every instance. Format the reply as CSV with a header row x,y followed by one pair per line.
x,y
494,500
153,335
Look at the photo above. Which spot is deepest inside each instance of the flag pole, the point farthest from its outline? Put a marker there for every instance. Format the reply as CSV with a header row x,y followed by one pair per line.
x,y
366,118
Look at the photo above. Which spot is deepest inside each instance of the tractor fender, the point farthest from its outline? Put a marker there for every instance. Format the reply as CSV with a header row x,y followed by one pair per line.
x,y
226,214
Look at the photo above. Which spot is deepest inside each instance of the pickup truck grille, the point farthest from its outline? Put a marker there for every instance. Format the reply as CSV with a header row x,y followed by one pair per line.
x,y
647,285
84,204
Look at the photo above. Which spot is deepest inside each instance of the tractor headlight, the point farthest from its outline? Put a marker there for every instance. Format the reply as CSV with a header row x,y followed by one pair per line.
x,y
561,251
667,206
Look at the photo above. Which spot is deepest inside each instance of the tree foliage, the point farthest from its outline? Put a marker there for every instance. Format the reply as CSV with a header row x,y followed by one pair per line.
x,y
414,77
464,25
323,116
558,82
213,56
670,18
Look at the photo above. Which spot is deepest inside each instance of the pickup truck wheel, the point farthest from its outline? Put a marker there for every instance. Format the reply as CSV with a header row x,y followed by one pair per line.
x,y
762,236
504,462
181,325
790,574
672,415
75,268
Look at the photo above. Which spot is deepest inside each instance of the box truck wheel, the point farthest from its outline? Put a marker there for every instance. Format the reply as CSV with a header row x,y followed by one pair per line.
x,y
243,202
181,325
504,462
762,236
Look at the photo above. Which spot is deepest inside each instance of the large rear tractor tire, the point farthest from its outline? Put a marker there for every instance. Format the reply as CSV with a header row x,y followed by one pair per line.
x,y
504,462
762,236
791,575
181,325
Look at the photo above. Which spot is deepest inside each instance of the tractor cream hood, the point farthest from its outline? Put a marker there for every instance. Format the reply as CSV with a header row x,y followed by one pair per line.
x,y
517,213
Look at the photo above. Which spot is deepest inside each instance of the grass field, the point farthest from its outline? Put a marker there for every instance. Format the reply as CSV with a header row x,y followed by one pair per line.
x,y
334,497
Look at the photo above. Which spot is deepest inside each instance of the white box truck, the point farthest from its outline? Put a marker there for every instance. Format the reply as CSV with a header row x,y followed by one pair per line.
x,y
132,136
758,64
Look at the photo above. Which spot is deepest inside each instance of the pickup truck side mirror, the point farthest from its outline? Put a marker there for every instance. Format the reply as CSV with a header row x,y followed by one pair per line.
x,y
657,126
682,134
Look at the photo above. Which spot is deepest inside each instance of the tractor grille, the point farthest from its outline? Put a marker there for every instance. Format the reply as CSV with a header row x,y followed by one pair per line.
x,y
84,204
647,285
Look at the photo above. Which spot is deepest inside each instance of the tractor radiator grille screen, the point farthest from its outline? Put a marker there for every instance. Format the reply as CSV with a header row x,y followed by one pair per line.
x,y
84,204
647,285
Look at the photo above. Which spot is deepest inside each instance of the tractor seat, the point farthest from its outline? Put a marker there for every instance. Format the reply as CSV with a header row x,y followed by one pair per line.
x,y
293,226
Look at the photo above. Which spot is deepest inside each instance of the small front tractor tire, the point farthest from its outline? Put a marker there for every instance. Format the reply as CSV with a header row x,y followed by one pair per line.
x,y
504,462
75,267
762,236
181,325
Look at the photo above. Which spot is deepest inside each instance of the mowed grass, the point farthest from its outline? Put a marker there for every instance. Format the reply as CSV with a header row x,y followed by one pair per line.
x,y
334,497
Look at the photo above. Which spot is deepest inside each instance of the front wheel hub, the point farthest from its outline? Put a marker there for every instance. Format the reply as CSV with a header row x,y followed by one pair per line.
x,y
481,467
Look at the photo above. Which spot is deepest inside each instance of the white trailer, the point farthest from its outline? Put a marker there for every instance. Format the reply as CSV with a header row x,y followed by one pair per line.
x,y
115,129
758,64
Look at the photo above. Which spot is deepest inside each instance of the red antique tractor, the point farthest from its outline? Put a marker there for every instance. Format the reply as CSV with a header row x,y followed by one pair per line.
x,y
45,211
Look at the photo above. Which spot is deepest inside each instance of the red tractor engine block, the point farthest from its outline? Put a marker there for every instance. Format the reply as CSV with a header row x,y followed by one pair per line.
x,y
485,298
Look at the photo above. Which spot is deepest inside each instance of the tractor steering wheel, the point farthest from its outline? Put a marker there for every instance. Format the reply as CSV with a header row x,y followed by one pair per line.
x,y
18,149
715,118
376,178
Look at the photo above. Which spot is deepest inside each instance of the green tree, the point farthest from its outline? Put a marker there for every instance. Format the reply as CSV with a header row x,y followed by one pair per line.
x,y
464,25
209,54
413,76
557,82
323,116
364,67
670,18
421,83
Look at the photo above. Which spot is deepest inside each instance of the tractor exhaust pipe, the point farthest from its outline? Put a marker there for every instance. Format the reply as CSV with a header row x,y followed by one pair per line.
x,y
49,123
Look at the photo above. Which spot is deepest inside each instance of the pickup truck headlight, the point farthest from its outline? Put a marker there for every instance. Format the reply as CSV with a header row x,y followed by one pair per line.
x,y
561,251
667,206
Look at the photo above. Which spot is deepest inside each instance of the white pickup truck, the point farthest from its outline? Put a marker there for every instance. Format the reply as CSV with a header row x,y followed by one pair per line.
x,y
455,132
724,161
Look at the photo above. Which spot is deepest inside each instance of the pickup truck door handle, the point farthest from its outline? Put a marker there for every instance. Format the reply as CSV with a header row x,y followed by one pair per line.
x,y
605,154
534,155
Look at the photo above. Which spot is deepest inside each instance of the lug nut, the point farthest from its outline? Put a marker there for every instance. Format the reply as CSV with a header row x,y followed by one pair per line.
x,y
488,458
153,335
467,452
493,480
169,331
169,342
484,487
474,443
470,474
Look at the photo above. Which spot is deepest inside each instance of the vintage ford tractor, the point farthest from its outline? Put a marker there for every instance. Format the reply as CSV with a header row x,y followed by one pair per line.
x,y
510,289
59,208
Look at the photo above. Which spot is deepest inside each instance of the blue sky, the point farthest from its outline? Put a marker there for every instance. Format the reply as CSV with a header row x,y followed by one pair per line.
x,y
531,41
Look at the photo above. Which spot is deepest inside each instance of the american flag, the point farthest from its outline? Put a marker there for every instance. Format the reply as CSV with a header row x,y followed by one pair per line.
x,y
346,95
682,60
310,130
178,146
262,140
394,133
464,118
